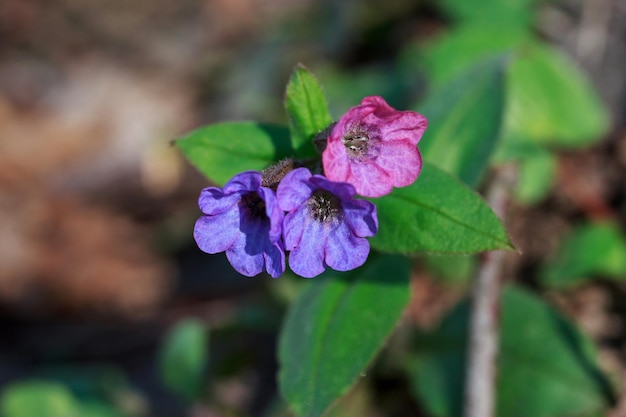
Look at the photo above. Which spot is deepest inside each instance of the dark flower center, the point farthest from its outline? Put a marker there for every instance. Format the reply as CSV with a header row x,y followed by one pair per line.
x,y
324,206
254,205
356,142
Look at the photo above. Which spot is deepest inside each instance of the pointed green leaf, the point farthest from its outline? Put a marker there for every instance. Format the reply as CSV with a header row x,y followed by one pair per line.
x,y
464,119
438,214
334,330
590,250
307,109
183,358
546,367
222,150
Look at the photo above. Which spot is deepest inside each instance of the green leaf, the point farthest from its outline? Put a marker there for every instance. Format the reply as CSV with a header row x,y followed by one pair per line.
x,y
550,101
464,119
546,367
307,109
335,329
222,150
183,358
449,55
513,12
38,399
591,250
437,214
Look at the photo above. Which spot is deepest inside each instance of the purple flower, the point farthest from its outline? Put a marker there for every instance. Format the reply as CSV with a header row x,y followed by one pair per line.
x,y
244,220
374,147
325,225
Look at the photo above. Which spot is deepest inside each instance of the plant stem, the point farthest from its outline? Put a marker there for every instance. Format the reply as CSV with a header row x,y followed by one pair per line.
x,y
485,312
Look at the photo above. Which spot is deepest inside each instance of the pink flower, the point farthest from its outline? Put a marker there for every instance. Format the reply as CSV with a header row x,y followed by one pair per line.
x,y
374,147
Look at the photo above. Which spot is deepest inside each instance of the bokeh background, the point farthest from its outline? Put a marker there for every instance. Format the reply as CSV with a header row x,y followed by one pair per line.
x,y
100,279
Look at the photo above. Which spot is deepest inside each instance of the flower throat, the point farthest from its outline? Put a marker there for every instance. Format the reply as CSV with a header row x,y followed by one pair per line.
x,y
324,206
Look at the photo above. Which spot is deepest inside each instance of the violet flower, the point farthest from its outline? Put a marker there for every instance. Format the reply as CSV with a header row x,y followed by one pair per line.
x,y
325,225
374,147
244,220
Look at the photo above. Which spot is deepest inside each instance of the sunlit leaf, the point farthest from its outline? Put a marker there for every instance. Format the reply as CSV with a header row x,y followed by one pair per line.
x,y
222,150
437,214
307,109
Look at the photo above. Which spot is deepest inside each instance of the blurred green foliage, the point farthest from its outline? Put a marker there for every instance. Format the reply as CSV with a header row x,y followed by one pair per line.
x,y
183,359
589,251
546,367
48,398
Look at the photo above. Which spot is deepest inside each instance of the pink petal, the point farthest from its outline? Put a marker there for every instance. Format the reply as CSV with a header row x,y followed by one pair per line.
x,y
401,161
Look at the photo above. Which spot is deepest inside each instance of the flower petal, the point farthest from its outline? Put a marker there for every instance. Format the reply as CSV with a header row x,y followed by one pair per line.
x,y
370,180
361,217
245,181
345,251
342,190
335,161
404,126
246,254
214,201
401,161
245,263
274,213
293,227
274,256
215,234
294,189
307,259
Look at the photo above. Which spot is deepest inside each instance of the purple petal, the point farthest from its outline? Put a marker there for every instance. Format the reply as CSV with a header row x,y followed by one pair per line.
x,y
294,189
245,181
246,254
213,201
245,263
361,217
274,213
344,250
215,234
342,190
274,256
293,227
307,259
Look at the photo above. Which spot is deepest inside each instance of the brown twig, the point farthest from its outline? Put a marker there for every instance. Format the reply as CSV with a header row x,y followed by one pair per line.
x,y
484,316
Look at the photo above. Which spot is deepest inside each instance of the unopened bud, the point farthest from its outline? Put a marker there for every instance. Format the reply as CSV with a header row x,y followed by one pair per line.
x,y
272,175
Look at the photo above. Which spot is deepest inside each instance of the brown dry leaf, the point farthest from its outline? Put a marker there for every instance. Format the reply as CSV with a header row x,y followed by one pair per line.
x,y
61,255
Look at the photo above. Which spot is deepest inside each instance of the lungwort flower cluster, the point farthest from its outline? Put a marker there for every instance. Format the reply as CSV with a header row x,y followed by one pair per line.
x,y
258,217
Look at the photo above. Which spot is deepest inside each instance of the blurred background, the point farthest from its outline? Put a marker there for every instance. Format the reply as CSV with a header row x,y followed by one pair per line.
x,y
107,307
